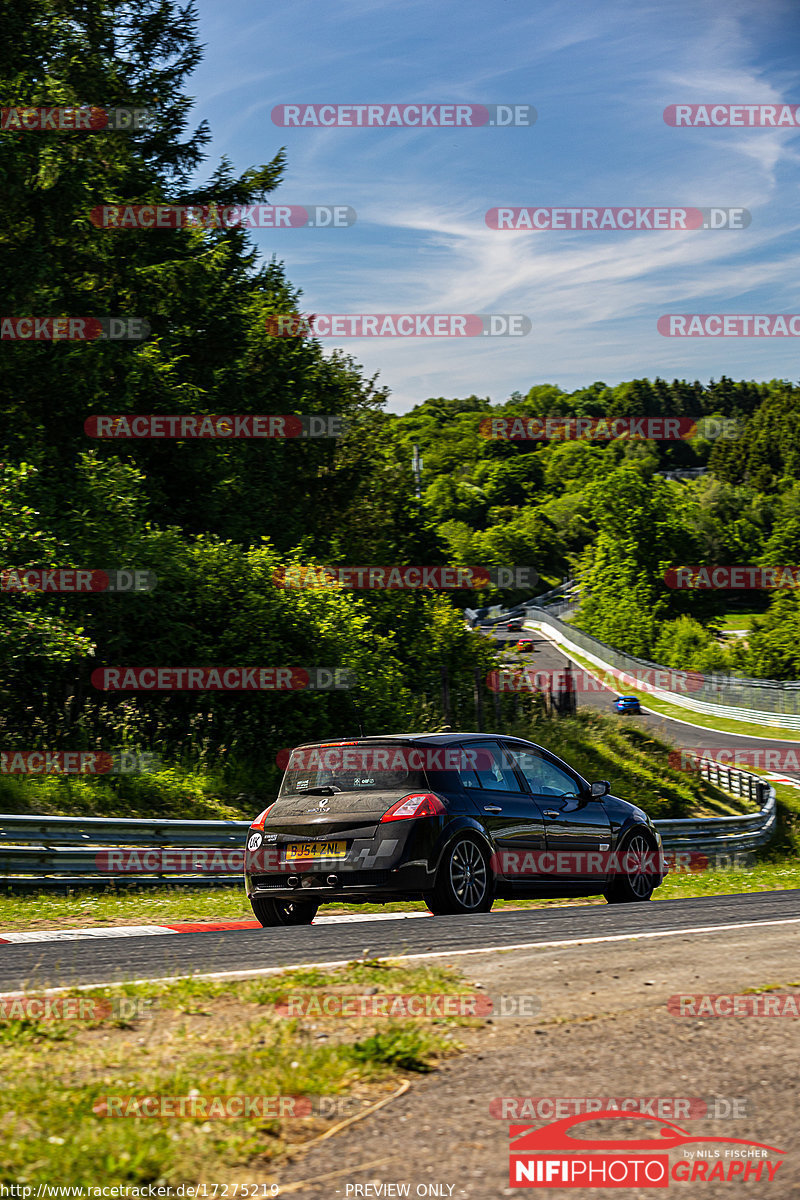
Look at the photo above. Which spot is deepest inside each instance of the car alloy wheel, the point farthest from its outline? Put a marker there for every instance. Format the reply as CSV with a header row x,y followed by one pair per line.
x,y
464,883
637,881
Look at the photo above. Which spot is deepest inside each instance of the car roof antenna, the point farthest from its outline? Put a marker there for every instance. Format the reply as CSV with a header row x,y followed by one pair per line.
x,y
358,719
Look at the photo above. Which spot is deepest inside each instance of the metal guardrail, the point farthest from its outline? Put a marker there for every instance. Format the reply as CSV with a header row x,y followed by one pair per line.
x,y
39,853
120,831
480,616
755,701
684,473
43,853
762,701
745,832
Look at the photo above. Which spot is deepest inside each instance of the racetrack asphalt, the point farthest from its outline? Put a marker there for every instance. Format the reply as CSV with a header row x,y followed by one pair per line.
x,y
547,657
35,966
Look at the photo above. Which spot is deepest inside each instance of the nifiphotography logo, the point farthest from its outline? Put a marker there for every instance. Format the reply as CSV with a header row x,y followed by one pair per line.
x,y
552,1156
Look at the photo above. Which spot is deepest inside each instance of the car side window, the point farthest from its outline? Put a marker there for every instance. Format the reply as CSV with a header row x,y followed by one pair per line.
x,y
544,777
491,768
461,764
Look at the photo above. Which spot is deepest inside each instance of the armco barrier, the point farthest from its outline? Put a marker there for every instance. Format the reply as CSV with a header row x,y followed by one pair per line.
x,y
38,853
46,853
754,701
773,702
725,834
476,616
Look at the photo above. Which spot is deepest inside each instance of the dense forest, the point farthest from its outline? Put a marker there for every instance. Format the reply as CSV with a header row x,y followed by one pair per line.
x,y
217,519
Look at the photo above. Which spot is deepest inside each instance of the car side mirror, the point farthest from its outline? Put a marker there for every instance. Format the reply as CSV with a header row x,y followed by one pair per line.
x,y
601,787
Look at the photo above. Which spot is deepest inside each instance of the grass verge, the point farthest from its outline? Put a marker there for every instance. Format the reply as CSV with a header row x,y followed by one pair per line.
x,y
174,792
212,1039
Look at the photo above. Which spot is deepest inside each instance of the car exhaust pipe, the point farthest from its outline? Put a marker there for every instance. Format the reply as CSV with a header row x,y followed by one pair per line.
x,y
293,881
332,880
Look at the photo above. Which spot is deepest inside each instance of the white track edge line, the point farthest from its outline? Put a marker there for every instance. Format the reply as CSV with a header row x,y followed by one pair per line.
x,y
14,937
256,972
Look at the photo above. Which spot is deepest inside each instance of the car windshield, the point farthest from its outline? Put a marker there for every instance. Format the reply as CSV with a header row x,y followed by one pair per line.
x,y
353,766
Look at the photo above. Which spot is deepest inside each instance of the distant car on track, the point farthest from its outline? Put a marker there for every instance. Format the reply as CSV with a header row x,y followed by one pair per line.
x,y
627,704
525,645
455,819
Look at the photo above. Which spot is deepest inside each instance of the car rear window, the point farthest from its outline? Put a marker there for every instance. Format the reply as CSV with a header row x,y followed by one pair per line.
x,y
354,767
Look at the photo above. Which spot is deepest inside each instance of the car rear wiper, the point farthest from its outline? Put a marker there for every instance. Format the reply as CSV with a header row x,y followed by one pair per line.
x,y
325,789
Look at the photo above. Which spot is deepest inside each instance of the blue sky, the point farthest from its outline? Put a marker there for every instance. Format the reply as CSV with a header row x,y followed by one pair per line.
x,y
599,77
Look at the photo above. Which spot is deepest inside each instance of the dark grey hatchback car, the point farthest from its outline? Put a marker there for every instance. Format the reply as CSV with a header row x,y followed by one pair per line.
x,y
455,819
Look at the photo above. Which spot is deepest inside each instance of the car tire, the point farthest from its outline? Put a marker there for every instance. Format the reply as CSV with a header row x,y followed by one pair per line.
x,y
464,881
282,912
632,885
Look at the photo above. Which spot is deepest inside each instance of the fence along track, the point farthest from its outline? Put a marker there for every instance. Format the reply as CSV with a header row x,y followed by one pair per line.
x,y
40,853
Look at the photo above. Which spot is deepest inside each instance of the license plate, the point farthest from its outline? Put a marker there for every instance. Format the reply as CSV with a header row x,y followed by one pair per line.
x,y
316,850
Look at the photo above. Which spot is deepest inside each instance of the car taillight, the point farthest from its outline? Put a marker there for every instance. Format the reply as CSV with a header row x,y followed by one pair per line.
x,y
261,818
420,804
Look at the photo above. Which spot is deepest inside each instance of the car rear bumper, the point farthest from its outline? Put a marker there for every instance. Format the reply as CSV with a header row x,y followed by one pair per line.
x,y
393,860
408,881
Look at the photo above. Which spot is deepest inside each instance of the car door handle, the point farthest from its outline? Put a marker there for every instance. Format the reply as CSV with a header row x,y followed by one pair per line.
x,y
492,808
550,812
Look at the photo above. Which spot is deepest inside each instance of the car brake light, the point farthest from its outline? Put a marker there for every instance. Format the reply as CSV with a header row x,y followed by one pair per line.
x,y
420,804
261,818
